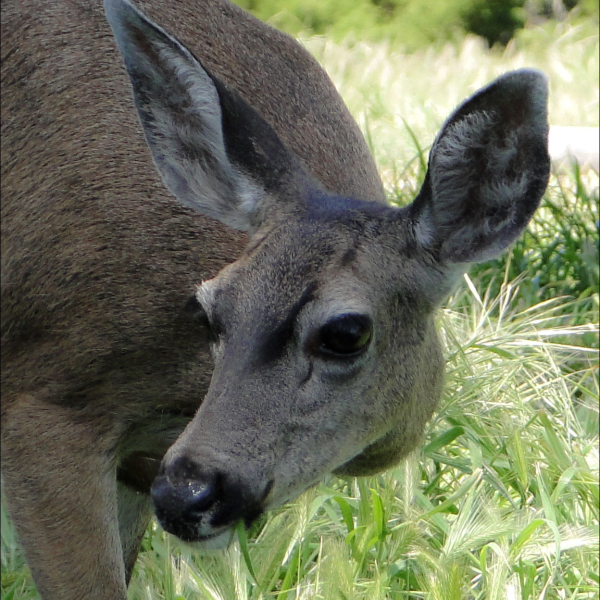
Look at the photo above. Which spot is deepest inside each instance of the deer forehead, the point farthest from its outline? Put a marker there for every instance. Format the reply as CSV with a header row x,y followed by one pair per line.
x,y
327,267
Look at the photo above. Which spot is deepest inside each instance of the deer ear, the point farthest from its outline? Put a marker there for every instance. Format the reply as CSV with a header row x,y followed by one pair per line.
x,y
488,169
212,150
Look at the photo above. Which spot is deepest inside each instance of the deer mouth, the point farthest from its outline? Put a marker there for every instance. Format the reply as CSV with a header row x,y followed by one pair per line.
x,y
205,510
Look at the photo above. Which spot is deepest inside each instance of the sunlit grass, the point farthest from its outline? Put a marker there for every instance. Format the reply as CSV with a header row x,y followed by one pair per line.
x,y
397,97
501,501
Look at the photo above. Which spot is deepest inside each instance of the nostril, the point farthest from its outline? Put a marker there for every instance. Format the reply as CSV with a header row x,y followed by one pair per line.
x,y
198,496
184,498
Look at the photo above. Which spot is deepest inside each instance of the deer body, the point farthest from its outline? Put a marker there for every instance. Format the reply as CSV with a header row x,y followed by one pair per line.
x,y
309,346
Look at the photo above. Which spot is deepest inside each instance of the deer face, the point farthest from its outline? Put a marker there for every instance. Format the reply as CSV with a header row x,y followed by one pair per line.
x,y
326,359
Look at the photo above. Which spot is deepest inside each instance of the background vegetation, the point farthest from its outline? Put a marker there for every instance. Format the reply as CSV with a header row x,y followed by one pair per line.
x,y
501,502
413,24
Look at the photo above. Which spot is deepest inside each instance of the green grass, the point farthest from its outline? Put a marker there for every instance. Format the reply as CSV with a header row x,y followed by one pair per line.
x,y
501,501
412,24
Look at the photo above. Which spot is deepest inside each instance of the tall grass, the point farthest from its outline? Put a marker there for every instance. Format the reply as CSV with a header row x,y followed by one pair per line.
x,y
501,501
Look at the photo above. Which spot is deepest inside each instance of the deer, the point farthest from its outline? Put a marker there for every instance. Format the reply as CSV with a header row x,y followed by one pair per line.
x,y
208,305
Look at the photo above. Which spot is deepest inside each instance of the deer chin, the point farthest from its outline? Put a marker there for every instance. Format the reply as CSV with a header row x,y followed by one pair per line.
x,y
201,536
219,540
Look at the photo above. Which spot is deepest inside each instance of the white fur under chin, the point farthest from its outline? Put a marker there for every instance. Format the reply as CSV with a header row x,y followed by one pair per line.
x,y
218,542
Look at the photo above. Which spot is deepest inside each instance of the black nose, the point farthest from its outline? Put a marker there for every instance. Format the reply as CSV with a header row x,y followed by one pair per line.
x,y
194,502
188,497
183,497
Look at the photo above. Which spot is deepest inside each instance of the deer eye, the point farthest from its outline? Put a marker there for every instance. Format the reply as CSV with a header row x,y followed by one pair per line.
x,y
345,336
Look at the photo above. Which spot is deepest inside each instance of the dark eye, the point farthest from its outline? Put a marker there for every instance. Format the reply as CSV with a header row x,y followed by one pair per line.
x,y
345,336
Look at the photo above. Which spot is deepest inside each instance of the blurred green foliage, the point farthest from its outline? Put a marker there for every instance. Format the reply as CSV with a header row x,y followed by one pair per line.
x,y
415,23
494,20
